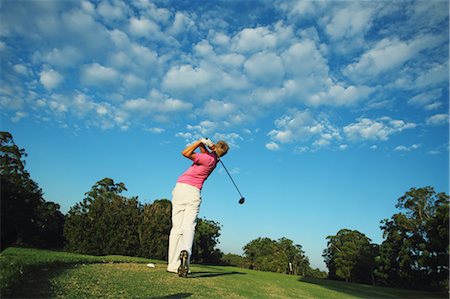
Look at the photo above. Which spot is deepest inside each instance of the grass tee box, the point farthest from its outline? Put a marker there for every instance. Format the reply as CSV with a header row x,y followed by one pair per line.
x,y
41,273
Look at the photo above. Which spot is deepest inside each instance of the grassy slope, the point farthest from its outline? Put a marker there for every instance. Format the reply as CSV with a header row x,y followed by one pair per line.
x,y
55,274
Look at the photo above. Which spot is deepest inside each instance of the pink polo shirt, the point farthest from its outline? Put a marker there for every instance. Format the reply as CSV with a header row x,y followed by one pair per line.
x,y
202,167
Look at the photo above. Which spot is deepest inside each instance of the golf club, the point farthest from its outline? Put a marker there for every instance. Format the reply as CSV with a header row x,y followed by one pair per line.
x,y
241,201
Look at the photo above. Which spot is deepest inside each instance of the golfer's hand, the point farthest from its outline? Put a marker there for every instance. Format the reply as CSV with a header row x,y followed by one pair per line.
x,y
207,142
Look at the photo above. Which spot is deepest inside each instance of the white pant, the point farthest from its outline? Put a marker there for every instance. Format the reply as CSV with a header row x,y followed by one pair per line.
x,y
185,207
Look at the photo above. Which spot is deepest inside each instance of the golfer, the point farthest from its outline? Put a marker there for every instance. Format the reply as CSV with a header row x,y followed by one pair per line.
x,y
186,201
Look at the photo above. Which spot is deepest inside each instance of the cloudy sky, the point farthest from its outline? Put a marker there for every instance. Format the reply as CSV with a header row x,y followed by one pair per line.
x,y
333,109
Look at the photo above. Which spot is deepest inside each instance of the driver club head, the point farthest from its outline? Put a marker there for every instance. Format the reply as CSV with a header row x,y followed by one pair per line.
x,y
241,201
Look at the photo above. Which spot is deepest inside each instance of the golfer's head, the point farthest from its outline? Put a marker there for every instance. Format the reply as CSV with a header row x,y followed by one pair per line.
x,y
221,148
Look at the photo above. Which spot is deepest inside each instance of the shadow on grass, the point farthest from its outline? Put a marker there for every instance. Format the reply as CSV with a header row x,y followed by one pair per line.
x,y
34,283
211,274
175,296
368,291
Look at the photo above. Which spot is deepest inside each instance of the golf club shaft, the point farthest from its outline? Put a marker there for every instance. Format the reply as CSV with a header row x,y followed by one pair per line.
x,y
231,178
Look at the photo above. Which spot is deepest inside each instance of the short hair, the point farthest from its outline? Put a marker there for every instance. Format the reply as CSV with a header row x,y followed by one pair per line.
x,y
221,148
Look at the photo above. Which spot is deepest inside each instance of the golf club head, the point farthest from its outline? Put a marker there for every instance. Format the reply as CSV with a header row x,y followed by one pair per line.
x,y
241,201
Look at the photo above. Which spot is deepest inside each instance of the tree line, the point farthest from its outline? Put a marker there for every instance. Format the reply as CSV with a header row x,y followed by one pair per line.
x,y
106,222
414,253
26,218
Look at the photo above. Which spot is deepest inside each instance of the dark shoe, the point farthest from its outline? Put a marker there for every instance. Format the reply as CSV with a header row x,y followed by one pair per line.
x,y
184,267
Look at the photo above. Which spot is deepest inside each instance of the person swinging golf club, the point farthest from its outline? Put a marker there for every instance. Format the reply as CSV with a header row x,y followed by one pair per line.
x,y
186,199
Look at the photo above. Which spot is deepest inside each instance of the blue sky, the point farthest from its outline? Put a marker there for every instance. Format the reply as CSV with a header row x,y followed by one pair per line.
x,y
333,109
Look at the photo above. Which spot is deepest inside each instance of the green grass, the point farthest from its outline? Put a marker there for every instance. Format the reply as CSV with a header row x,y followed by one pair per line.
x,y
39,273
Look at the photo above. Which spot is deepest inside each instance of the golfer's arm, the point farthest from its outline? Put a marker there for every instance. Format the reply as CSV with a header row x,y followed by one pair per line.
x,y
203,148
188,152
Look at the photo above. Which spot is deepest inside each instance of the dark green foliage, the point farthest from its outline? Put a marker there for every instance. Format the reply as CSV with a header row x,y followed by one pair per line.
x,y
206,237
415,252
315,273
26,218
282,256
107,223
155,229
104,222
235,260
350,256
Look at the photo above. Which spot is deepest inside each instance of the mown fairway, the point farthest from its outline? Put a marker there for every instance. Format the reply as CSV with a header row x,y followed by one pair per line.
x,y
36,273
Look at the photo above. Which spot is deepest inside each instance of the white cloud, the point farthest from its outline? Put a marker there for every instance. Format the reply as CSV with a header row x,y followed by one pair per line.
x,y
111,12
185,135
218,109
186,77
119,38
204,49
133,83
155,130
302,9
50,78
82,104
433,76
203,129
303,59
440,149
18,116
341,96
379,129
433,106
438,119
101,109
349,21
64,57
272,146
220,39
58,107
265,68
143,56
403,148
88,7
229,72
181,23
309,79
150,106
301,126
232,139
82,31
143,27
389,54
231,60
428,99
210,129
251,40
21,69
96,74
156,103
269,96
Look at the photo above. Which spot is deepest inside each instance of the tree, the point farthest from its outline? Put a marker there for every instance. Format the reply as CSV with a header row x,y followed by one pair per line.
x,y
257,252
50,223
206,238
236,260
104,222
347,253
155,229
281,256
291,256
415,252
26,218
